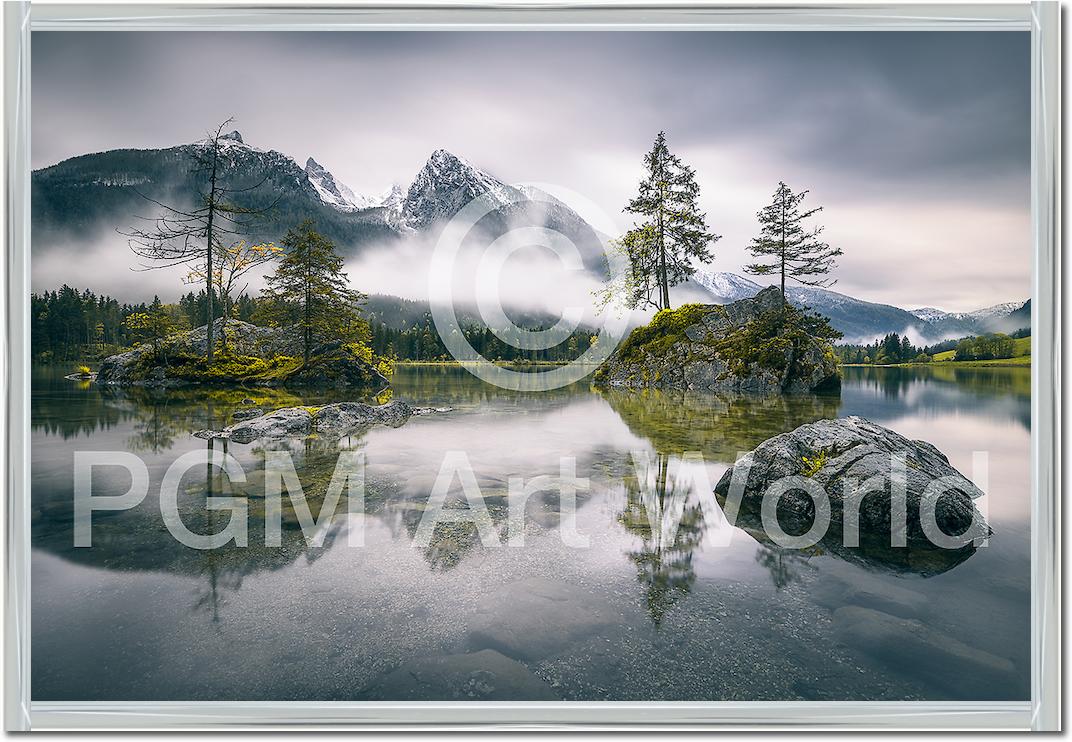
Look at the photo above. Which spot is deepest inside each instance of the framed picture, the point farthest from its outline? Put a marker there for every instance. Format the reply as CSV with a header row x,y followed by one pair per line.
x,y
612,367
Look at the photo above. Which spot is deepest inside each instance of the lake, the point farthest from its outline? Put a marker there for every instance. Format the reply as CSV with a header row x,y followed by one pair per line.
x,y
711,613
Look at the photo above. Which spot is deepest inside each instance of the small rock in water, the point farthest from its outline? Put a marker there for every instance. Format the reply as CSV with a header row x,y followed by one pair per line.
x,y
340,419
416,411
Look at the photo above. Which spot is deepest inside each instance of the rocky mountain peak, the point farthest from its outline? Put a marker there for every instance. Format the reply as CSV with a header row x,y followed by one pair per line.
x,y
233,136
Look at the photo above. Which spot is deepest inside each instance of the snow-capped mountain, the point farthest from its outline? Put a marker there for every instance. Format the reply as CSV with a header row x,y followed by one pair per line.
x,y
995,312
444,185
333,192
930,314
1004,317
393,198
105,191
863,320
726,287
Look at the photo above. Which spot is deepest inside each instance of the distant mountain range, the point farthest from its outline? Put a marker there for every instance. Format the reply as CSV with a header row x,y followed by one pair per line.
x,y
109,190
862,321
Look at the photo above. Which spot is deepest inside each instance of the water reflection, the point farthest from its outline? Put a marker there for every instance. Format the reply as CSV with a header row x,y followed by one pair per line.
x,y
785,567
661,510
874,552
890,393
717,425
686,620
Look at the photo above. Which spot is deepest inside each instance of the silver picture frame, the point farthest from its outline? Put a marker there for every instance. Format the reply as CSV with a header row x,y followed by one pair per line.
x,y
1041,713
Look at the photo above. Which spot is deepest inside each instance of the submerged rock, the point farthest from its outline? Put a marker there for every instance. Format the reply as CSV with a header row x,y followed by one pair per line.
x,y
333,419
710,347
536,618
850,451
246,413
478,676
916,650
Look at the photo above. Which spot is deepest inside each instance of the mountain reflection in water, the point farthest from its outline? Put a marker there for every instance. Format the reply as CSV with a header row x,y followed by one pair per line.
x,y
684,615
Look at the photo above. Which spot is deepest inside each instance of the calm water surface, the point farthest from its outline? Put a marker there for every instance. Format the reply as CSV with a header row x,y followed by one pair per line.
x,y
633,616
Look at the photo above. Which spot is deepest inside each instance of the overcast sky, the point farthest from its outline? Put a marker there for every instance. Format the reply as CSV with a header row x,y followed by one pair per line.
x,y
915,144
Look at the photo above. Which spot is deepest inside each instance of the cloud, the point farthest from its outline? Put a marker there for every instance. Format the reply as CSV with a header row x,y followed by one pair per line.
x,y
916,144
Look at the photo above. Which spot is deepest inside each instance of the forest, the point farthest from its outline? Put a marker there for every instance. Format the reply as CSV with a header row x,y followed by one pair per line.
x,y
69,325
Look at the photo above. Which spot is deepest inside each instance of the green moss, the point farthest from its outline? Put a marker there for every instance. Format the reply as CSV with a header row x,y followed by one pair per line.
x,y
224,368
774,339
664,331
812,464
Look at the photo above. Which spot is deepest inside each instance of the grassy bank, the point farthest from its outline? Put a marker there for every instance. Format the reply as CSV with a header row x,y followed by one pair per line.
x,y
503,364
1021,357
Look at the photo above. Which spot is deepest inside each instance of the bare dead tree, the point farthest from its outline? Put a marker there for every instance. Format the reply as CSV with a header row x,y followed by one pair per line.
x,y
191,236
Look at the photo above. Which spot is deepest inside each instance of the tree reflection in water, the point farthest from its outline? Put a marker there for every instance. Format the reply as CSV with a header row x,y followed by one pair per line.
x,y
660,509
785,567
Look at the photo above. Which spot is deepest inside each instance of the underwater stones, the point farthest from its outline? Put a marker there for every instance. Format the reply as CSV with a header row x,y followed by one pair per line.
x,y
866,590
485,675
536,618
914,649
246,413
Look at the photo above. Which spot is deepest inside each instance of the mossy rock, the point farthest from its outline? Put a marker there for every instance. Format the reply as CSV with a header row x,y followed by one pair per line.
x,y
753,345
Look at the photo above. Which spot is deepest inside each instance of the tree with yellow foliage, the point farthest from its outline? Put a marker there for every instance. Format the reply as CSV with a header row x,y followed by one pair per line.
x,y
232,263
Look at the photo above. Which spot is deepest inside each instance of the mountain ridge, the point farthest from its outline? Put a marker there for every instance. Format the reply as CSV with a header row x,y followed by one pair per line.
x,y
109,189
862,320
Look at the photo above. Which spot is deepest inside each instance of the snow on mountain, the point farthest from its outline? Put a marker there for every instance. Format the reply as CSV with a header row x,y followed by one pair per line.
x,y
333,192
997,311
727,287
447,183
862,321
393,198
930,314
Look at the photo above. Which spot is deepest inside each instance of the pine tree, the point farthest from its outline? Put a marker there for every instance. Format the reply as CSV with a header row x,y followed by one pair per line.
x,y
792,250
673,233
309,290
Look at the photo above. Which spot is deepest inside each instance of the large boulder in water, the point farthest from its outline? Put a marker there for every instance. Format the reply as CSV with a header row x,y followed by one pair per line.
x,y
848,452
739,347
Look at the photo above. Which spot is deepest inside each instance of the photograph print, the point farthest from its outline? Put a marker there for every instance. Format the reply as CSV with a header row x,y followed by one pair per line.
x,y
530,366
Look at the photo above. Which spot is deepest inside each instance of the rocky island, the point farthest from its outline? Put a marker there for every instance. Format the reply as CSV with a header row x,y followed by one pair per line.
x,y
760,345
254,355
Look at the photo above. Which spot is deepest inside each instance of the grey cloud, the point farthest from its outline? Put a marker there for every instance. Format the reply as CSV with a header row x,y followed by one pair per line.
x,y
863,119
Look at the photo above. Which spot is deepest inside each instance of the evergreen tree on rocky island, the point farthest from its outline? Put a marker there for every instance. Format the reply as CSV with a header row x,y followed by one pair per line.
x,y
673,232
309,291
786,247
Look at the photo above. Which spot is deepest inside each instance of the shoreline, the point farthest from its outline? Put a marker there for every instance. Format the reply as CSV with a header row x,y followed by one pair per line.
x,y
1017,362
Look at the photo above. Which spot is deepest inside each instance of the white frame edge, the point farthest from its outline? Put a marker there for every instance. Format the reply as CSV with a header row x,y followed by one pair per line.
x,y
17,710
1046,367
1041,713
